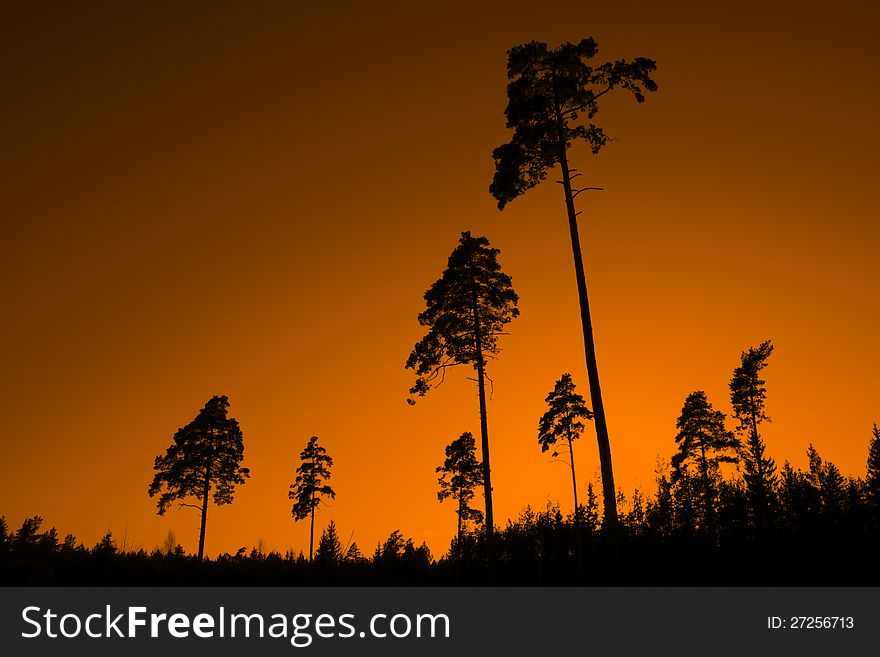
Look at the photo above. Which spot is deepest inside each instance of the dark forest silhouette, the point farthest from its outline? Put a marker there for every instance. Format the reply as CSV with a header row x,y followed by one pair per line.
x,y
823,528
700,526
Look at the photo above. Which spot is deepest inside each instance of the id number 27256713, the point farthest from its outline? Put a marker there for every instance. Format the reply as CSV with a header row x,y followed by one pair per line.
x,y
810,623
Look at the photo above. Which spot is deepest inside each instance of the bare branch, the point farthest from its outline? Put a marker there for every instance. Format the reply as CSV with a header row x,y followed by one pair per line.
x,y
491,385
587,189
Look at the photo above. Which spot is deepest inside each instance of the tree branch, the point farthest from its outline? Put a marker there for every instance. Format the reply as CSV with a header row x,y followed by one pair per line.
x,y
580,108
587,189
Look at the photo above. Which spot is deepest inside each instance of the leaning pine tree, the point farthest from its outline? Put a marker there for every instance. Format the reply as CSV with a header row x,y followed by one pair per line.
x,y
553,96
747,396
466,310
204,457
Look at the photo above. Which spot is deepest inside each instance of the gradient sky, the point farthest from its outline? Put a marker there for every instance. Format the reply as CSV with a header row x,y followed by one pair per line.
x,y
252,201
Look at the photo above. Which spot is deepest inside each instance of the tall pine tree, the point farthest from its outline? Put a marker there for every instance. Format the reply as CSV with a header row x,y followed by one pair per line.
x,y
553,97
204,457
311,485
466,311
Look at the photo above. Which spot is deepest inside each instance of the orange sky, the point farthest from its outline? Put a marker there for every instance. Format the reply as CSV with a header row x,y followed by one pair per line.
x,y
252,202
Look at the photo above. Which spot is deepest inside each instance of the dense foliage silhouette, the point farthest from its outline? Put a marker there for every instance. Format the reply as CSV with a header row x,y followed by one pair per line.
x,y
704,443
824,532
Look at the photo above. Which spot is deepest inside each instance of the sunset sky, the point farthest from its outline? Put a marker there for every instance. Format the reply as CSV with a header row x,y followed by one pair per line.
x,y
251,201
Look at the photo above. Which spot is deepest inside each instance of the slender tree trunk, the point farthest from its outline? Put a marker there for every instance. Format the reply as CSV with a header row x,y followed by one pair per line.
x,y
459,550
205,492
312,529
577,514
609,492
484,433
459,519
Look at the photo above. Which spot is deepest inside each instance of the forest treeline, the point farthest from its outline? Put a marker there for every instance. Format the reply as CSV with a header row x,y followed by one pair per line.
x,y
823,528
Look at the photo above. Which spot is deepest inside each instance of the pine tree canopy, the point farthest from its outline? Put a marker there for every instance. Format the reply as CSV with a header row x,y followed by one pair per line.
x,y
702,437
211,446
747,391
311,480
562,420
460,474
549,91
472,296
